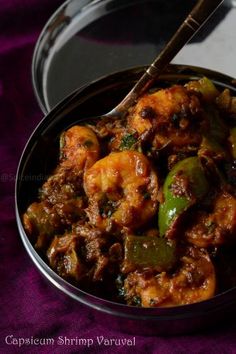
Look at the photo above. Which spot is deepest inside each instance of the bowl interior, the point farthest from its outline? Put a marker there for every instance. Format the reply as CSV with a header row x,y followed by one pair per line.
x,y
41,155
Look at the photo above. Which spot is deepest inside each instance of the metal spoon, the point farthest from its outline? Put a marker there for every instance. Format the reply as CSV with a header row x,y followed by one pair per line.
x,y
197,17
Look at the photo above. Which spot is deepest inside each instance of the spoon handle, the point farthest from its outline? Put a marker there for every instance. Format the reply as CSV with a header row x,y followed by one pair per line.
x,y
197,17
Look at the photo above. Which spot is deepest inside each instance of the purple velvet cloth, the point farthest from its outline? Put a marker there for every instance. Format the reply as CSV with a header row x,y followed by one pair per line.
x,y
30,306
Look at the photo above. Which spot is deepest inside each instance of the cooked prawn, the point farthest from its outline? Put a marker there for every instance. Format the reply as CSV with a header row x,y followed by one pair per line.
x,y
216,228
62,196
173,115
122,189
80,147
194,281
79,151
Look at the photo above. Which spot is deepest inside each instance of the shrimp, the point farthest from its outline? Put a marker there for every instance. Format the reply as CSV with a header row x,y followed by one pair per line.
x,y
173,115
62,196
79,151
216,228
194,281
79,147
122,190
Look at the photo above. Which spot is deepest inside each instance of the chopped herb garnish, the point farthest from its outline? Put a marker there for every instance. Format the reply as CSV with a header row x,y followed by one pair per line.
x,y
128,141
136,300
88,143
120,286
175,120
146,196
210,226
106,207
152,302
109,213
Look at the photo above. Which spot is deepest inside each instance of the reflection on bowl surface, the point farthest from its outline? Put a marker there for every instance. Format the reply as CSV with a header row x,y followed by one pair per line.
x,y
139,211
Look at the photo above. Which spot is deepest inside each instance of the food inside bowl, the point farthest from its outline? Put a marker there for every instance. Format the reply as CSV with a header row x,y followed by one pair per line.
x,y
142,210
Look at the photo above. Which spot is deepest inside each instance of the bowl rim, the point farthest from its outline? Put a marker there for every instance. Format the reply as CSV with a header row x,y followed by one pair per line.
x,y
122,310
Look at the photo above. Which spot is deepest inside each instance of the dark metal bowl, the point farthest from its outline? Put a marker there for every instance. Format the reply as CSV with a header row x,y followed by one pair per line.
x,y
39,159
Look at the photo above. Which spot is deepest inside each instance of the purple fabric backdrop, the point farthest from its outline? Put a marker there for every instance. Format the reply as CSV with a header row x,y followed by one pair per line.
x,y
30,306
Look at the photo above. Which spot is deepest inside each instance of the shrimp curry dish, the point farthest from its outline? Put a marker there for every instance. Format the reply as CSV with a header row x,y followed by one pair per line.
x,y
142,210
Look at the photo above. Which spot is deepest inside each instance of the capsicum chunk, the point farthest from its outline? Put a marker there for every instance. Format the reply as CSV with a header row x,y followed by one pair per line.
x,y
206,87
210,148
185,184
143,252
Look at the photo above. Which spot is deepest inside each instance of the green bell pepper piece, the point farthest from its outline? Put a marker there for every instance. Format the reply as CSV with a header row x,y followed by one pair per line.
x,y
232,140
206,87
42,219
217,130
143,252
185,184
211,148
